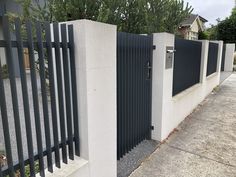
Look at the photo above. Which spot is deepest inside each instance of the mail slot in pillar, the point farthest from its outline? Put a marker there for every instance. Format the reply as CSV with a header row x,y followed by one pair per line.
x,y
169,57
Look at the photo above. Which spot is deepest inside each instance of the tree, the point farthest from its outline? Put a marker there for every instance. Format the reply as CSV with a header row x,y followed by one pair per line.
x,y
203,35
135,16
226,29
176,13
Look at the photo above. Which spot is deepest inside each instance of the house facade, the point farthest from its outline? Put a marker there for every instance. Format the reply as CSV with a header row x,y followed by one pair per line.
x,y
192,26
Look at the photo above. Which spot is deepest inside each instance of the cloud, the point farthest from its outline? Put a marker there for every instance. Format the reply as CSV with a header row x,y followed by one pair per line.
x,y
212,9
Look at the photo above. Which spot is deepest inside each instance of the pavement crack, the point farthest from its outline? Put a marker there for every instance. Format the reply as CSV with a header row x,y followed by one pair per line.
x,y
201,156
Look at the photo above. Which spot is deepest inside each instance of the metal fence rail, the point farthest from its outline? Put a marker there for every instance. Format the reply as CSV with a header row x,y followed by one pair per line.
x,y
187,63
65,78
212,58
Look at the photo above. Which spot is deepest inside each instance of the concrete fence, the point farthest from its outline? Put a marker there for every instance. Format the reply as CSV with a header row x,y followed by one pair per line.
x,y
228,57
168,111
95,53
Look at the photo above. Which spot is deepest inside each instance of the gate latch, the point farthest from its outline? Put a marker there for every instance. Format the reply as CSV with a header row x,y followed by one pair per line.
x,y
149,68
170,51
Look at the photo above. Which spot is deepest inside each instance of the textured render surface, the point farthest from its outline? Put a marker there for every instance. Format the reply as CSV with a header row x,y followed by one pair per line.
x,y
204,145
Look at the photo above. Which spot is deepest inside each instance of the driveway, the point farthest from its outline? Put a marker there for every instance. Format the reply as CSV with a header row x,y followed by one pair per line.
x,y
204,145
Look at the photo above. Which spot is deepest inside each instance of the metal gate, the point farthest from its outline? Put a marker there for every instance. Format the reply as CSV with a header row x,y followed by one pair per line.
x,y
134,61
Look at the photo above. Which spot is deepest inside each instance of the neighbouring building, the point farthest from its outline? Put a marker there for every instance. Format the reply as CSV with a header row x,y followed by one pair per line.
x,y
192,26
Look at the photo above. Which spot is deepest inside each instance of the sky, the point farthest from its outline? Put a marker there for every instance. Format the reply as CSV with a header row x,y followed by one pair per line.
x,y
212,9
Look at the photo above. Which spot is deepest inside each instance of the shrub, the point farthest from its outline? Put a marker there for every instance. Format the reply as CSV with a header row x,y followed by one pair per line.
x,y
5,72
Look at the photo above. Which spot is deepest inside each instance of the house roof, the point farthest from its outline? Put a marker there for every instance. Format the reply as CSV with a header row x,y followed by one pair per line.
x,y
189,21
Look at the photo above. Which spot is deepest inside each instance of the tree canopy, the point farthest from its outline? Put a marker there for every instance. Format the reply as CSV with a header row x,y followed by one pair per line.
x,y
226,29
135,16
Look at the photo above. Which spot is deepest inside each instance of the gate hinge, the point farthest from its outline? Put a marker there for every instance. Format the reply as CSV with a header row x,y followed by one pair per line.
x,y
152,127
154,47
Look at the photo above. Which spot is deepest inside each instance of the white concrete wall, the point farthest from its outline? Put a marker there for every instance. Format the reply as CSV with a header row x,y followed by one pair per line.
x,y
167,111
95,53
161,85
229,57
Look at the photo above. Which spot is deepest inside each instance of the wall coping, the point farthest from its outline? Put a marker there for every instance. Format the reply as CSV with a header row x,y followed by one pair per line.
x,y
186,92
67,170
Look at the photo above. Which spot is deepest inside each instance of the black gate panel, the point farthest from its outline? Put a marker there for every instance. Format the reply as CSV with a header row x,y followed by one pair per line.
x,y
187,64
212,58
134,60
223,58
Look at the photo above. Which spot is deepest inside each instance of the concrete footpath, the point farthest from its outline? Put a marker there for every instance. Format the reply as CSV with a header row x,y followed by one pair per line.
x,y
204,145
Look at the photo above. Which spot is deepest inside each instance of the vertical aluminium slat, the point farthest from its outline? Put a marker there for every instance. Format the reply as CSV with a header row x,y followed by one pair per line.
x,y
66,65
121,93
143,79
5,123
61,109
35,96
150,85
74,90
7,37
125,103
144,88
52,88
60,91
130,87
146,121
137,90
25,96
44,95
132,92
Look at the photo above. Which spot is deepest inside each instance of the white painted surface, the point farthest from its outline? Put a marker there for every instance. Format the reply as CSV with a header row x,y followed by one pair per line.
x,y
167,111
161,85
229,57
75,168
95,53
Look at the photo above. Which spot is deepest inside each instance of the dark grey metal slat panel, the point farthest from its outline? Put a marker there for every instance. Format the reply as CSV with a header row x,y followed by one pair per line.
x,y
133,95
223,58
52,87
212,58
74,89
5,124
7,37
187,64
35,96
25,96
66,66
60,91
44,95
